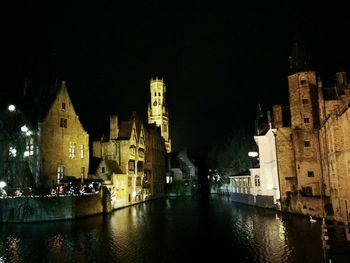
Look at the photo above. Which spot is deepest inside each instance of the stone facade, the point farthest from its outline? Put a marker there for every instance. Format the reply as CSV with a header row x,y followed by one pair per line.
x,y
157,110
154,183
313,153
48,144
64,143
125,146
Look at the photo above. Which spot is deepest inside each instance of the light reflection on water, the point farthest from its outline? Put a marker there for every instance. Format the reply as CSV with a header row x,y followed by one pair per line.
x,y
168,230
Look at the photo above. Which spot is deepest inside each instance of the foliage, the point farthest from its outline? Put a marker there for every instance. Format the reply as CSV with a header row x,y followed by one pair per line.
x,y
230,155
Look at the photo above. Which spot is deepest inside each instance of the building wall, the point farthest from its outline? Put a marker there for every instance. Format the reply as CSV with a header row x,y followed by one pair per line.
x,y
33,209
155,162
268,164
57,140
157,110
336,149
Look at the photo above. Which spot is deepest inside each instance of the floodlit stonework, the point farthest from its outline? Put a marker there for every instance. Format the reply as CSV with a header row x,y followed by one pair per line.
x,y
63,141
157,110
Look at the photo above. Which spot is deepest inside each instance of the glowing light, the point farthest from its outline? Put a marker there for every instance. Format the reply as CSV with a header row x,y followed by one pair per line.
x,y
253,154
2,184
24,128
13,151
12,107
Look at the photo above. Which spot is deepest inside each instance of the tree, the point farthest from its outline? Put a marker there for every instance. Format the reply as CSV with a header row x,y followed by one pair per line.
x,y
230,155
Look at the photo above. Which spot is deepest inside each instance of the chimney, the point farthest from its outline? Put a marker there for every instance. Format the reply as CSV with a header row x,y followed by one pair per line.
x,y
277,116
114,130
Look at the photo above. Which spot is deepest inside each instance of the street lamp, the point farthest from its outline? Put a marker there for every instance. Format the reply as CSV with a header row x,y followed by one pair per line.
x,y
253,154
11,107
2,184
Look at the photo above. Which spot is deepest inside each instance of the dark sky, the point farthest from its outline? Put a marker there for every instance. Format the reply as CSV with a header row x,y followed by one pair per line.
x,y
218,58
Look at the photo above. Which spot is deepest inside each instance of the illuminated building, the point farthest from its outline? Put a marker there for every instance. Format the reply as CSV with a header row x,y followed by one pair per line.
x,y
157,110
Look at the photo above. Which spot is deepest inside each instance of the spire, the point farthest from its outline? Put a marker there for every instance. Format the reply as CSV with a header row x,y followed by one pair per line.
x,y
297,60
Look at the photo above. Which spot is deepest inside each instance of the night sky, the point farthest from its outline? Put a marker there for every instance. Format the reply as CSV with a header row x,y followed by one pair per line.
x,y
218,58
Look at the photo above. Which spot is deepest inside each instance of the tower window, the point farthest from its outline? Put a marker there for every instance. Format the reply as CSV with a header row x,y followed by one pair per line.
x,y
310,174
306,120
63,106
158,93
307,144
103,170
305,101
155,93
303,82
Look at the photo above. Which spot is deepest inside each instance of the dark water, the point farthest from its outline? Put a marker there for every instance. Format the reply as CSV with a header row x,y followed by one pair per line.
x,y
168,230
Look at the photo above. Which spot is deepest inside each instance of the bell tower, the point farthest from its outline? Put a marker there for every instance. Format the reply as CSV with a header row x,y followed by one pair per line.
x,y
157,109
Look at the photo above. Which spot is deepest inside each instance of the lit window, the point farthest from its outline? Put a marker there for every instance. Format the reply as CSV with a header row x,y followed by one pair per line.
x,y
307,144
63,123
29,147
82,151
60,173
12,151
72,150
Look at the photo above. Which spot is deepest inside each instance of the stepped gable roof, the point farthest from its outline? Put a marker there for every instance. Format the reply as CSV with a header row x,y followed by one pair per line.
x,y
125,130
114,167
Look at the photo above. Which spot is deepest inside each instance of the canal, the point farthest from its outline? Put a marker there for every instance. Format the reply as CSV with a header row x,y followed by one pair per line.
x,y
168,230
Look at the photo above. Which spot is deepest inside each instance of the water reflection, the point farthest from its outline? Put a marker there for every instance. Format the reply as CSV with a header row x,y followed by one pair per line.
x,y
167,230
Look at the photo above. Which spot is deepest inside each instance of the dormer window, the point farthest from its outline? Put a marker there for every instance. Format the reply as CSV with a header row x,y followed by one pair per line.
x,y
63,106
